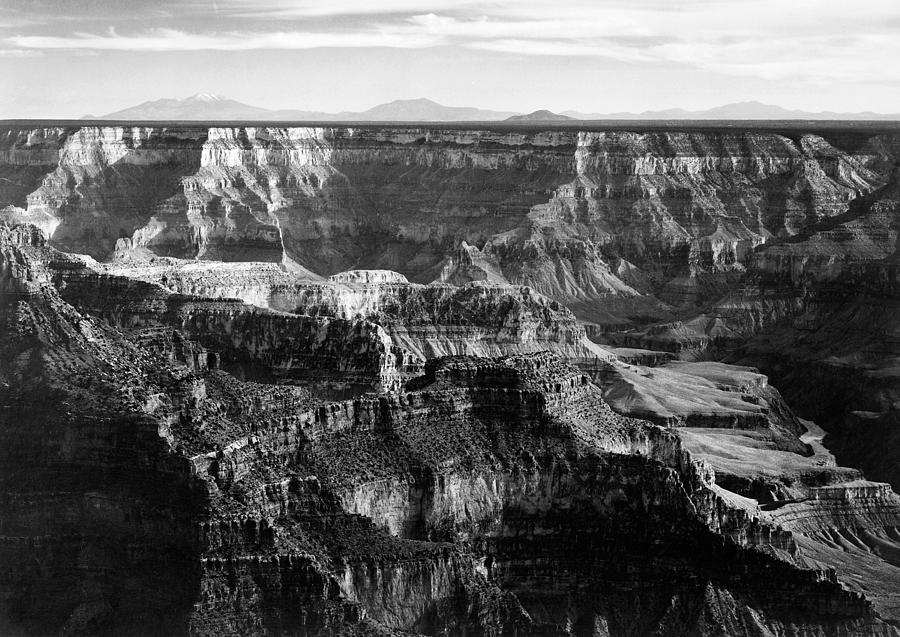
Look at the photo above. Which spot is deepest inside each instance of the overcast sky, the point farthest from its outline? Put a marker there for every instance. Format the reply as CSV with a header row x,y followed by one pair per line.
x,y
68,58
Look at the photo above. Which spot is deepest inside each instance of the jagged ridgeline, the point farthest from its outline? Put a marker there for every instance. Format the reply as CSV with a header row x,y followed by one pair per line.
x,y
396,380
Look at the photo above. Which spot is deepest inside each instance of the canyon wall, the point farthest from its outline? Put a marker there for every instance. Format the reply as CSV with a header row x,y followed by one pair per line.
x,y
247,397
478,318
489,496
617,225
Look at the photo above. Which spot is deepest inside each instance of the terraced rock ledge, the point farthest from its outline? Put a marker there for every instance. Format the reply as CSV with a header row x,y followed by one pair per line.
x,y
399,380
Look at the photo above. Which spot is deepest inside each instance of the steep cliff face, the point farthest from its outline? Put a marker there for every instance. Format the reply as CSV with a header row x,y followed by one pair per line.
x,y
334,353
610,223
90,186
818,312
841,285
93,500
476,319
488,497
255,273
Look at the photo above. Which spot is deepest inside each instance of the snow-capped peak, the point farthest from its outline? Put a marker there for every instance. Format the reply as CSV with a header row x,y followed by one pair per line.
x,y
205,97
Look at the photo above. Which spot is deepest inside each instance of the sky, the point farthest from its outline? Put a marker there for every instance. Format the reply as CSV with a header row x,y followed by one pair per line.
x,y
69,58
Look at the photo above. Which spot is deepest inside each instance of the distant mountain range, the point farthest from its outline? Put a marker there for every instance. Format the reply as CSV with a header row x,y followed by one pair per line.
x,y
739,110
540,116
199,106
206,107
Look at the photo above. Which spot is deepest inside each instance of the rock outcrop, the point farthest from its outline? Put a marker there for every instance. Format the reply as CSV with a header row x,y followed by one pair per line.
x,y
338,355
476,319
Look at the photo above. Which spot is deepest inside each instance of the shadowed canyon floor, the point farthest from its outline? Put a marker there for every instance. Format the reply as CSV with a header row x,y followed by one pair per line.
x,y
351,380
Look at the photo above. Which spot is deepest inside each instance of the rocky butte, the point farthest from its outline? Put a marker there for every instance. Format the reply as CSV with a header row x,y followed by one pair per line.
x,y
520,380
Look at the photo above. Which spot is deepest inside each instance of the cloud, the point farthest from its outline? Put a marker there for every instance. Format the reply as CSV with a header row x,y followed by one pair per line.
x,y
486,28
19,53
562,48
162,40
317,8
815,59
808,40
817,42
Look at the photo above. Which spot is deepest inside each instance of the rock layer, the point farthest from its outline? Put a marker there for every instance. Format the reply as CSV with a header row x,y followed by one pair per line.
x,y
490,496
477,319
624,215
258,428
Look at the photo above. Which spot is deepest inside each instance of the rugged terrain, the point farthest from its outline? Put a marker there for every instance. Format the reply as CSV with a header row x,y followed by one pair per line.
x,y
372,380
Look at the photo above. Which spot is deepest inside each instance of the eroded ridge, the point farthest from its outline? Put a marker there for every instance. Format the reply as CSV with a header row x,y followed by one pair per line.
x,y
479,495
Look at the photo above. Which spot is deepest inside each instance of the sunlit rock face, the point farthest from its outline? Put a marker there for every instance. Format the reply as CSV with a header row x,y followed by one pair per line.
x,y
618,225
90,186
428,321
356,380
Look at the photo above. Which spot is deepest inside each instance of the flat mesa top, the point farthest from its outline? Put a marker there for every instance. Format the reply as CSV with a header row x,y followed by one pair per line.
x,y
857,126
